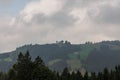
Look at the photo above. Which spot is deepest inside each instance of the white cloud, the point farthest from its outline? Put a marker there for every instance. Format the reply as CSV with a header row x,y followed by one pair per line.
x,y
46,7
45,21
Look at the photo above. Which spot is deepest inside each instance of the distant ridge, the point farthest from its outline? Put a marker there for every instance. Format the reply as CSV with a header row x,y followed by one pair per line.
x,y
89,56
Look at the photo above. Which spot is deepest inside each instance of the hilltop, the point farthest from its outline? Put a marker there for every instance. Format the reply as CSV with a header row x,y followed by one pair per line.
x,y
89,56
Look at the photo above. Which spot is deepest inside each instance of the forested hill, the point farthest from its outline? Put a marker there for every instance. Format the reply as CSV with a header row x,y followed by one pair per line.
x,y
88,56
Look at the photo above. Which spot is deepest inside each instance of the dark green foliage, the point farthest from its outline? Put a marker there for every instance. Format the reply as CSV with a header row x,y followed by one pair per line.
x,y
57,75
79,76
38,62
65,74
100,76
42,73
105,74
86,76
2,76
93,76
73,76
26,69
23,67
117,72
76,76
11,74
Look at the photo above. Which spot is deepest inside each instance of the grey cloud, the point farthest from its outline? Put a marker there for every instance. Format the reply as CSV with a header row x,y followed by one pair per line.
x,y
45,29
40,19
60,19
81,3
107,14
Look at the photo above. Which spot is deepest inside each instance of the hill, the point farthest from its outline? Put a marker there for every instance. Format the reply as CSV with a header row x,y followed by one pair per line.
x,y
88,56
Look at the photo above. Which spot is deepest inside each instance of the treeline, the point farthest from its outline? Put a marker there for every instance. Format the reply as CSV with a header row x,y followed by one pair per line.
x,y
26,69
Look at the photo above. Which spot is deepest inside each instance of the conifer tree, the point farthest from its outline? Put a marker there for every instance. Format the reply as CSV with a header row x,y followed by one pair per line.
x,y
23,67
65,74
79,75
99,76
93,76
86,76
11,74
105,74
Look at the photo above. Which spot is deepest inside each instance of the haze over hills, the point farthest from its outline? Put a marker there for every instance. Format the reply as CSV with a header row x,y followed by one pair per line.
x,y
89,56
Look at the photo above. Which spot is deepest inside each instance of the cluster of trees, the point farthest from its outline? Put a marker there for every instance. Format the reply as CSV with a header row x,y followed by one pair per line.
x,y
26,69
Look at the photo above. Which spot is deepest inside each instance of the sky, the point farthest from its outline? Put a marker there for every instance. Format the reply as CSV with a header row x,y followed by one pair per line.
x,y
47,21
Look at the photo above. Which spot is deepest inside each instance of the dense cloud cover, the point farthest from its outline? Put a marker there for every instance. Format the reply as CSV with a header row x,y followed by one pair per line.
x,y
45,21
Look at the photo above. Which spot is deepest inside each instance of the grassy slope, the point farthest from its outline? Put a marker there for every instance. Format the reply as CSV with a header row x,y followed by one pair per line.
x,y
74,59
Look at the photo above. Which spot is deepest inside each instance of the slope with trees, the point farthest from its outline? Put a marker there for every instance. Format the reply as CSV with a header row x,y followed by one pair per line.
x,y
89,56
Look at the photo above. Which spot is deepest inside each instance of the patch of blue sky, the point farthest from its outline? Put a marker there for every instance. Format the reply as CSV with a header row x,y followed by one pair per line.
x,y
13,8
